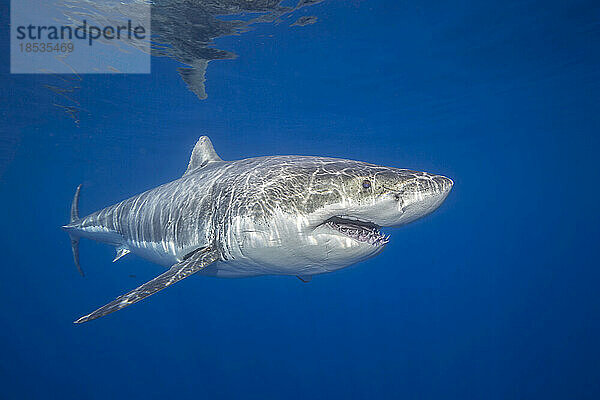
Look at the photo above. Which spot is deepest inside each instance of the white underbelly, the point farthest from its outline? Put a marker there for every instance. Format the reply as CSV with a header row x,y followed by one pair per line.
x,y
163,254
235,269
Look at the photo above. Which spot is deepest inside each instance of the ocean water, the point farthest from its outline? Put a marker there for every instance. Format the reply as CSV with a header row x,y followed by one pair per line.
x,y
493,296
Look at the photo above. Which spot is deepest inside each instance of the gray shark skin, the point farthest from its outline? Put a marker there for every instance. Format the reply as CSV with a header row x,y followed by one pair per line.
x,y
282,215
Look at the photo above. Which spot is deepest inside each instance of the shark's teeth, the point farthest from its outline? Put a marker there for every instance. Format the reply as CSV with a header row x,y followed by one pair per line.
x,y
362,231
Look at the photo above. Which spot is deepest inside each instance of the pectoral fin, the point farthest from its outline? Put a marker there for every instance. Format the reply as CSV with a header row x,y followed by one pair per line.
x,y
191,264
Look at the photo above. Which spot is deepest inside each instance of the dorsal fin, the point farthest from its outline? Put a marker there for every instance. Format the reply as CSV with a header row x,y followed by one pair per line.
x,y
304,278
203,154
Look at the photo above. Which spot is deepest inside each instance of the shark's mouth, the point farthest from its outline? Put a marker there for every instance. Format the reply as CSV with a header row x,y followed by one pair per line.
x,y
362,231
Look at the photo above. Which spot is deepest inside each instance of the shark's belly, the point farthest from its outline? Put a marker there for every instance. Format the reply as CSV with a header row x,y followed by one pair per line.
x,y
156,252
284,245
233,269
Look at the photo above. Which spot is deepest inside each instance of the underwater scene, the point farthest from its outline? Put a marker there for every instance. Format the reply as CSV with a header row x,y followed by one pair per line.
x,y
351,199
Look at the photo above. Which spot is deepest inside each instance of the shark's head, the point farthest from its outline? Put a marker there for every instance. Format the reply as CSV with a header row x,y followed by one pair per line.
x,y
327,213
385,196
368,198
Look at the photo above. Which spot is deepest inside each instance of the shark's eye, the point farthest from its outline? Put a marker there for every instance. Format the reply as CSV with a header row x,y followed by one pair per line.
x,y
366,184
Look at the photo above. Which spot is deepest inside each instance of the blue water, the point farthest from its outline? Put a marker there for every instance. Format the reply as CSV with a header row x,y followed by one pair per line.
x,y
494,296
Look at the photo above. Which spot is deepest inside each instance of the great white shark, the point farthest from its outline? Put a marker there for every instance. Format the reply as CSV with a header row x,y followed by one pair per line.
x,y
281,215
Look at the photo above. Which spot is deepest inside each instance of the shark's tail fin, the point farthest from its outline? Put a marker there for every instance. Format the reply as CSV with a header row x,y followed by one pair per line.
x,y
74,219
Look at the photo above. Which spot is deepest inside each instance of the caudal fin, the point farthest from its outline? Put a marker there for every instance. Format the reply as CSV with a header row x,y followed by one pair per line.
x,y
75,206
74,220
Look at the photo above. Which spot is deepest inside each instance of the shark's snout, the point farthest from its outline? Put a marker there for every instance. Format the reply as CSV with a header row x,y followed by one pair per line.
x,y
444,186
443,183
422,196
427,187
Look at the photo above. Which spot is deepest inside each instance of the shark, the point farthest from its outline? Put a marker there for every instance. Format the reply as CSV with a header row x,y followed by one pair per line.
x,y
272,215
